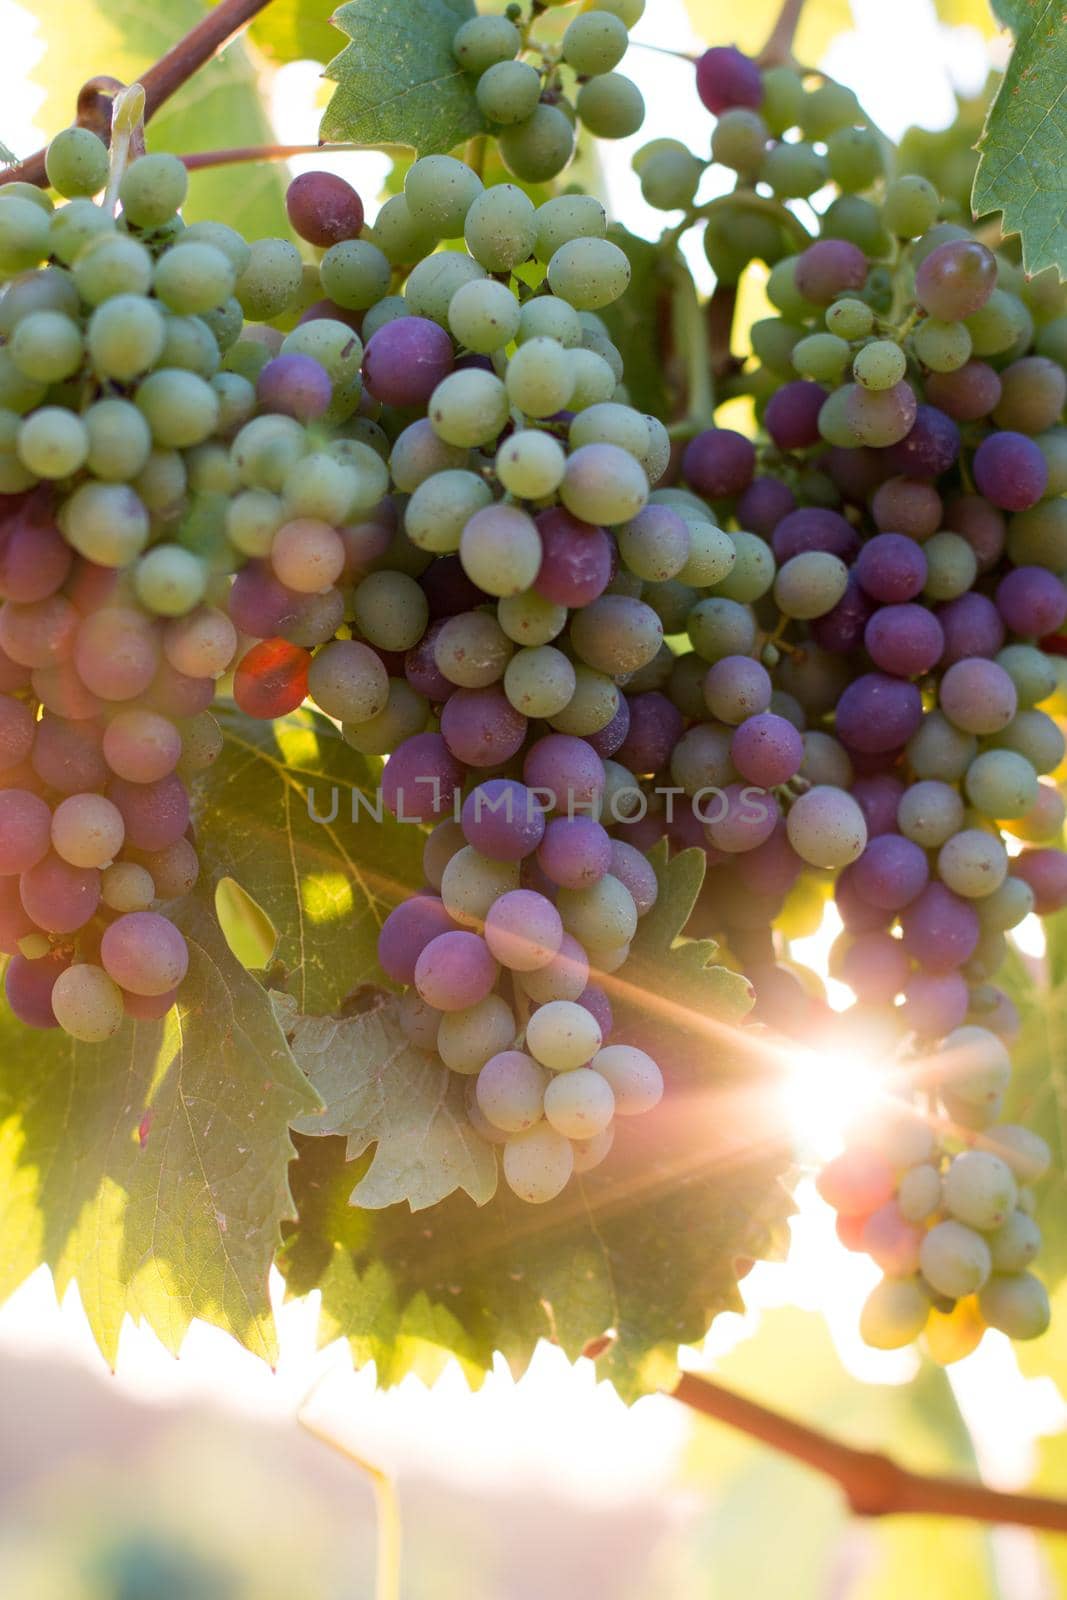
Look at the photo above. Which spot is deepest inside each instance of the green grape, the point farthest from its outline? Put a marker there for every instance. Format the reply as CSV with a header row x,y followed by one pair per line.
x,y
919,1193
370,479
739,140
530,464
14,477
1034,735
594,43
595,337
752,572
939,750
711,557
589,273
1051,340
809,585
483,315
1017,1304
539,681
74,226
440,508
783,99
193,277
386,310
189,344
390,610
469,408
538,378
331,343
733,238
561,1034
567,217
530,619
112,264
467,1039
611,106
550,318
894,1314
405,713
849,319
106,523
973,863
419,454
430,286
783,293
52,442
538,1164
1026,1153
1015,1243
879,365
1053,446
320,487
440,191
152,189
616,635
500,549
246,358
179,407
955,1261
1030,670
720,627
669,174
266,448
610,423
86,1002
594,702
76,163
942,346
170,581
125,337
25,233
272,279
471,884
1038,537
500,227
1002,784
1007,906
511,1091
237,400
773,342
828,107
47,289
593,380
253,517
472,650
46,347
835,425
629,12
1000,324
979,1190
398,236
30,191
579,1104
161,482
601,917
951,566
211,469
857,220
929,813
236,250
509,92
482,41
910,206
539,148
854,156
822,356
793,171
354,274
603,484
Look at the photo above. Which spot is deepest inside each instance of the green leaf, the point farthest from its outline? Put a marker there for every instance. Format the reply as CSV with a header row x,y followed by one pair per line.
x,y
326,886
218,108
641,1253
377,1089
1038,1095
295,30
398,81
1021,171
153,1169
637,320
8,158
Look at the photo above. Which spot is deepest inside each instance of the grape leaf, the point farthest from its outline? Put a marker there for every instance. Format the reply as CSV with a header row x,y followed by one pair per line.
x,y
632,1259
153,1169
1021,169
218,108
639,321
295,30
377,1089
7,157
326,885
398,81
1038,1094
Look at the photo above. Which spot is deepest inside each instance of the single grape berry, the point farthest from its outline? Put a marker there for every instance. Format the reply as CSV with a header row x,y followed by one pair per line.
x,y
271,679
324,209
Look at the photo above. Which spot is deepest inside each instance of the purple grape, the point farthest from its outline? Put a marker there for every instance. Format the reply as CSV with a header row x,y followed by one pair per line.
x,y
421,779
772,867
840,631
907,505
767,750
855,473
1003,1018
956,279
1032,602
829,267
59,897
25,830
971,626
596,1001
814,528
741,818
874,966
421,669
930,447
719,463
983,527
967,394
933,1006
578,559
737,687
447,588
12,674
259,605
67,756
611,738
940,930
405,361
877,714
905,640
726,77
28,986
656,725
156,814
481,727
880,416
978,695
454,971
406,932
891,872
633,869
296,385
763,505
1010,470
1046,873
503,820
17,728
34,556
878,797
575,852
523,930
858,915
567,768
791,415
176,695
891,568
324,209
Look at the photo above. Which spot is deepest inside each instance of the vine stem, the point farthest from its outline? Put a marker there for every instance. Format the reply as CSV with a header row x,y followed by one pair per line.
x,y
167,75
873,1484
387,1563
266,152
689,337
778,51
